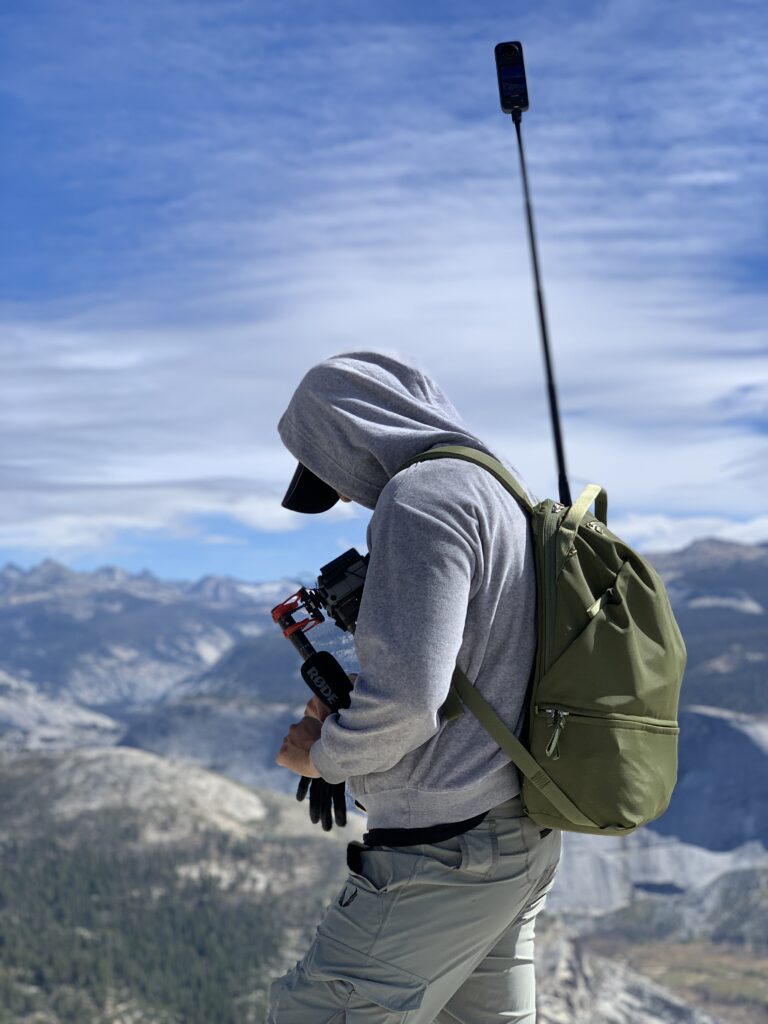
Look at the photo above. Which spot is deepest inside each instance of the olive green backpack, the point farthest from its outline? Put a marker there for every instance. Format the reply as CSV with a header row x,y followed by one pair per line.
x,y
601,747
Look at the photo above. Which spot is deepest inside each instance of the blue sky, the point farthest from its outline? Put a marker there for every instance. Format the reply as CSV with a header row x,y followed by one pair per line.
x,y
201,200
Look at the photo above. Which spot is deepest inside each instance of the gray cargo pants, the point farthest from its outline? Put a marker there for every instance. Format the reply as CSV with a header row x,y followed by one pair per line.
x,y
440,933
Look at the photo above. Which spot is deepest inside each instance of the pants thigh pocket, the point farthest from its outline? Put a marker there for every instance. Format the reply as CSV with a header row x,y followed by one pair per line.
x,y
354,916
371,979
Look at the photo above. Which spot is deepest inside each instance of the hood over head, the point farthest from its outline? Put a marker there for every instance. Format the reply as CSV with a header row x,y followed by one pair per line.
x,y
357,417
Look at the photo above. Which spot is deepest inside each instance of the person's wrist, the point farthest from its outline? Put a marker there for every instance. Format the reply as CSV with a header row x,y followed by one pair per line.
x,y
312,771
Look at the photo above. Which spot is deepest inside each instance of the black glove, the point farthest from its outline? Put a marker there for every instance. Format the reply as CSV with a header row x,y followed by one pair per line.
x,y
326,801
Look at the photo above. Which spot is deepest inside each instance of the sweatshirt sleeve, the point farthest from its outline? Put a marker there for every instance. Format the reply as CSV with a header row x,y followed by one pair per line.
x,y
409,631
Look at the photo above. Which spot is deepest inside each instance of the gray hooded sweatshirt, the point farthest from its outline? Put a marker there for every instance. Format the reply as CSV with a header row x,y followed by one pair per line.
x,y
450,579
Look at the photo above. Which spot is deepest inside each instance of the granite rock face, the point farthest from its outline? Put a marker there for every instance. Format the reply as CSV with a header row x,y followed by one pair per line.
x,y
575,987
258,843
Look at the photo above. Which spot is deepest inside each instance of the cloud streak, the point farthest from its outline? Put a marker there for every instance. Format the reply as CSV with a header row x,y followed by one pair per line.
x,y
245,208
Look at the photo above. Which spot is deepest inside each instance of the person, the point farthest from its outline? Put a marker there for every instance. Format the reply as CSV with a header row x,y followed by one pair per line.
x,y
435,921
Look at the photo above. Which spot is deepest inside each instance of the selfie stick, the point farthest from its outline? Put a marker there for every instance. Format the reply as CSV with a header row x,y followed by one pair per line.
x,y
514,99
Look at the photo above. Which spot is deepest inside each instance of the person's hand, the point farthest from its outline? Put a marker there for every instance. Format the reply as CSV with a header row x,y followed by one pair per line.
x,y
327,801
317,708
294,753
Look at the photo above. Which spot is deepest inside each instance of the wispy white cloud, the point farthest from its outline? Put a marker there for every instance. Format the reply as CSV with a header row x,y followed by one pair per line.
x,y
279,204
666,533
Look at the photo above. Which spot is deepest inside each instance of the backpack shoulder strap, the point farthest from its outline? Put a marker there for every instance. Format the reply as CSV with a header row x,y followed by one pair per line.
x,y
515,750
502,474
462,692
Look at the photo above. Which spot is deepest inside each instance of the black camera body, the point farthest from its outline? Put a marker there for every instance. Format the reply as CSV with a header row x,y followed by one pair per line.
x,y
340,588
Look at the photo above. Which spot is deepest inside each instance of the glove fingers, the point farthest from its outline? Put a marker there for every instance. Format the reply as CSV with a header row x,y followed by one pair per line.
x,y
323,802
339,804
315,799
327,808
303,786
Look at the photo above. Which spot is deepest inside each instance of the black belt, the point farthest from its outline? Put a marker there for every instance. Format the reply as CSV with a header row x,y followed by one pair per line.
x,y
415,836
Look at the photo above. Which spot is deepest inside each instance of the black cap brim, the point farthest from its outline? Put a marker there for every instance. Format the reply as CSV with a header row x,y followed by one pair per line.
x,y
308,493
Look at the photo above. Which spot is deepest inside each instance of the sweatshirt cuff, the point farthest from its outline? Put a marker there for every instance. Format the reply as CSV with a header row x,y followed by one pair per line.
x,y
325,764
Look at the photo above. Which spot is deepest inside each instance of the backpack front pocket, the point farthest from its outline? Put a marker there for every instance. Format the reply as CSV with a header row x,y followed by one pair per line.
x,y
618,769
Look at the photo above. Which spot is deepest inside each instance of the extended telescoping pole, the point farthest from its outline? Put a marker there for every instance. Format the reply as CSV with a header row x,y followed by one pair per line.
x,y
562,478
513,93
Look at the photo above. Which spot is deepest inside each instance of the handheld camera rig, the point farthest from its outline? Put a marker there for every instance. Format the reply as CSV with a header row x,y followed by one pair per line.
x,y
338,594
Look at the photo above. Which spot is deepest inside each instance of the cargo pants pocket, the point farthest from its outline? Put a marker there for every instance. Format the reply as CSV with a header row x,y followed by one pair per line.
x,y
370,980
343,957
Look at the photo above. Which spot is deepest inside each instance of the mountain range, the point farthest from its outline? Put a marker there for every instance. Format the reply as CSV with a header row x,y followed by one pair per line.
x,y
112,640
161,845
154,709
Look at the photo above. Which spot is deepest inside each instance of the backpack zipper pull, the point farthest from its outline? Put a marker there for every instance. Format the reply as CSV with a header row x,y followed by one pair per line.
x,y
558,721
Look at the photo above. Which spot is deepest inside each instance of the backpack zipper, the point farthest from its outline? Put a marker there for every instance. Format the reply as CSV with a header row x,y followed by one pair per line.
x,y
603,716
551,526
558,717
